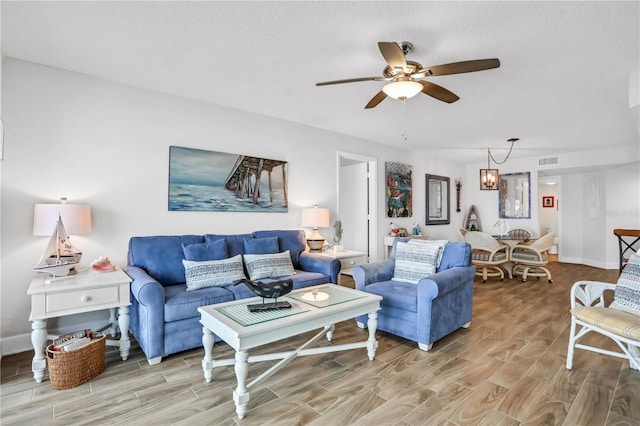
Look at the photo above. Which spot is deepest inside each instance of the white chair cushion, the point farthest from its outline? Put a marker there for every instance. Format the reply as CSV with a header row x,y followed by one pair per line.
x,y
626,296
415,261
612,320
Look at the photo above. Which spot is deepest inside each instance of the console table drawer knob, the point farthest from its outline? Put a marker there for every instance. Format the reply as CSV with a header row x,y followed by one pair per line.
x,y
85,299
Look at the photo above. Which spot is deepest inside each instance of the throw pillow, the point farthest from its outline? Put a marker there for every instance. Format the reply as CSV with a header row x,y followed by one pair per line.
x,y
213,273
626,296
268,265
415,261
267,245
215,250
439,243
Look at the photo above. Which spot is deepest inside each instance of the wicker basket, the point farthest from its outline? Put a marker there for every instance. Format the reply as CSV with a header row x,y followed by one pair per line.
x,y
70,369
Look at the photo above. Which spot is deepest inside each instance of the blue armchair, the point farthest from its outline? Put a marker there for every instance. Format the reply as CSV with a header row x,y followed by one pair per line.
x,y
429,310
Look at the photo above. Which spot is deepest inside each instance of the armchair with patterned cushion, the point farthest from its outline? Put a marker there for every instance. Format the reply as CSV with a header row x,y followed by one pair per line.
x,y
487,255
427,292
620,321
530,260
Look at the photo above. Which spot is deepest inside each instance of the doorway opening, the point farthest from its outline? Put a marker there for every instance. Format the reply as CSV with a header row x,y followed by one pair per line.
x,y
357,200
548,214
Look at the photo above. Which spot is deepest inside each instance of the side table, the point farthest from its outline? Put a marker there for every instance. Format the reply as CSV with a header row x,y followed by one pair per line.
x,y
388,243
87,291
348,259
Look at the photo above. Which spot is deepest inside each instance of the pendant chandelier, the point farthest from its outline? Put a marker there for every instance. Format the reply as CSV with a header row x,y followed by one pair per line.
x,y
489,176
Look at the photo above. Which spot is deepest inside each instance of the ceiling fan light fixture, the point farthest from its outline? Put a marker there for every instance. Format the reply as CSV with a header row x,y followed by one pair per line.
x,y
403,89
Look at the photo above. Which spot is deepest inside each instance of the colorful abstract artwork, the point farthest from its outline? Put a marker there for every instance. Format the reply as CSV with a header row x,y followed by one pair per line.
x,y
201,180
398,190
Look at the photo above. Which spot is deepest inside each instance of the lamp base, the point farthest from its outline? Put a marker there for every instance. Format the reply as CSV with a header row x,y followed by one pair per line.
x,y
315,245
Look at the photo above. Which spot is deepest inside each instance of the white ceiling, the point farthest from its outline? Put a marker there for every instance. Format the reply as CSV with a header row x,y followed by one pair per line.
x,y
563,84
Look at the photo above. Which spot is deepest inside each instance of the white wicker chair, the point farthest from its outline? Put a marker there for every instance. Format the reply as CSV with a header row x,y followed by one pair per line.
x,y
530,259
487,255
618,321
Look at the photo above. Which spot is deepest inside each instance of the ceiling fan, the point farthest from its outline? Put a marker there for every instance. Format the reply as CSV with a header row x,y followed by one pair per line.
x,y
405,76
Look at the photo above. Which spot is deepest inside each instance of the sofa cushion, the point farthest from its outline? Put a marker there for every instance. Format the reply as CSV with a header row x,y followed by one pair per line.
x,y
161,256
212,273
415,261
214,250
626,296
180,304
396,293
455,254
235,242
266,245
292,240
268,265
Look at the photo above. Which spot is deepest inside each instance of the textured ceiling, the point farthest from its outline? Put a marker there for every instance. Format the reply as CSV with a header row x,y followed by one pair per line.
x,y
563,84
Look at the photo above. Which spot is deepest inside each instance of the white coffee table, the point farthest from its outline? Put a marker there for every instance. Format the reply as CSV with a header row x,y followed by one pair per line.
x,y
244,330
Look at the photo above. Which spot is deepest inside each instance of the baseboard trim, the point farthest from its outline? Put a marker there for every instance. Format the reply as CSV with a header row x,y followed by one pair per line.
x,y
588,262
15,344
22,342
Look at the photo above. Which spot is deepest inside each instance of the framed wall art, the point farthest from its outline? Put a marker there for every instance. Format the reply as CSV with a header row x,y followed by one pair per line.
x,y
398,193
438,202
201,180
547,201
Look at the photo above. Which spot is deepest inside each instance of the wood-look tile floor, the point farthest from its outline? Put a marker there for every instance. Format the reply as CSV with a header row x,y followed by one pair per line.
x,y
508,368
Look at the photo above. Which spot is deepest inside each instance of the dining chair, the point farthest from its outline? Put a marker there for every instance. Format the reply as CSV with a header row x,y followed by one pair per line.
x,y
487,255
627,243
530,259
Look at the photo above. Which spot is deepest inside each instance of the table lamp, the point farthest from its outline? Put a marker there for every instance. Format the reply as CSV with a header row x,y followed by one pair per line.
x,y
315,218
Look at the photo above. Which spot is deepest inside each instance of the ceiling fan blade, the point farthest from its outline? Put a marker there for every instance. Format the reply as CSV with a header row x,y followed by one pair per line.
x,y
379,97
464,66
438,92
393,55
351,80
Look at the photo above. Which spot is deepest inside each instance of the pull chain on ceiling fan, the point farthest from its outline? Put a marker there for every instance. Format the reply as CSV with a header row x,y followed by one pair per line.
x,y
405,77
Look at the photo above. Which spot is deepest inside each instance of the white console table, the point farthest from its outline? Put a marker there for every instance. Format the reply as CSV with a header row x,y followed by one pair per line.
x,y
388,243
87,291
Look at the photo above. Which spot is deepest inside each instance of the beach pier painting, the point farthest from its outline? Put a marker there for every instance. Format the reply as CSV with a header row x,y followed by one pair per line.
x,y
201,180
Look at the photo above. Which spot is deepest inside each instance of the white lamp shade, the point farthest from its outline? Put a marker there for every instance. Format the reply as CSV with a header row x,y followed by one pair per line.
x,y
76,218
315,218
402,89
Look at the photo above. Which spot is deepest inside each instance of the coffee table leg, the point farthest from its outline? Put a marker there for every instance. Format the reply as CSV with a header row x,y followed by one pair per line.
x,y
330,329
372,343
240,395
207,363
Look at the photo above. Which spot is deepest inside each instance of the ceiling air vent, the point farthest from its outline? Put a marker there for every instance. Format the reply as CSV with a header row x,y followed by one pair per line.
x,y
549,161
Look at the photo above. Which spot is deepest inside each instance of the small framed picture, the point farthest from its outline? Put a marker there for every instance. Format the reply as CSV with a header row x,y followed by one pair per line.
x,y
547,201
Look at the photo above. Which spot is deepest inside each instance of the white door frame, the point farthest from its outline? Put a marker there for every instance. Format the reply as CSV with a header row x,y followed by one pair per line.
x,y
373,196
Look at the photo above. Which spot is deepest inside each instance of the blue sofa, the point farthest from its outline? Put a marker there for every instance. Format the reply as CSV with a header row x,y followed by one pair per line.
x,y
429,310
163,314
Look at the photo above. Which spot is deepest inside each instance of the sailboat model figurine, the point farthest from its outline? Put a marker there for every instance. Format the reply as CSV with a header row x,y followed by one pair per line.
x,y
60,257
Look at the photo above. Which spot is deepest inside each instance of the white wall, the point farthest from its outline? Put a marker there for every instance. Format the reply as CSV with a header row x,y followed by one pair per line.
x,y
107,145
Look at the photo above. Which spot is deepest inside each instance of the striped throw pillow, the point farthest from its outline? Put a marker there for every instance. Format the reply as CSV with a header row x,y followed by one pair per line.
x,y
212,273
268,265
415,261
626,296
